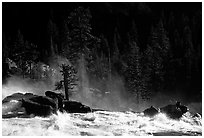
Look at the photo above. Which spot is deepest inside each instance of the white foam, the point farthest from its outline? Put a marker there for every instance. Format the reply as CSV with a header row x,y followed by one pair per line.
x,y
100,123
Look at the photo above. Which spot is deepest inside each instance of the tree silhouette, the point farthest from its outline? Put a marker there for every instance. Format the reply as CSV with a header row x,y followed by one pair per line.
x,y
70,78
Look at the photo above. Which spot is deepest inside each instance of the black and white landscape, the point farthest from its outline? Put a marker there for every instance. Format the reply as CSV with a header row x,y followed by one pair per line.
x,y
102,69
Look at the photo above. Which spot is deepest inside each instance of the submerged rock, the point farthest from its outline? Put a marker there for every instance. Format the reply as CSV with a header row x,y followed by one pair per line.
x,y
75,107
152,111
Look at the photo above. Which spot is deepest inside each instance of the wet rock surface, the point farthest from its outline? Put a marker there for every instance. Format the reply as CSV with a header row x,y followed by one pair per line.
x,y
28,104
21,105
18,96
36,109
174,111
58,97
76,107
152,111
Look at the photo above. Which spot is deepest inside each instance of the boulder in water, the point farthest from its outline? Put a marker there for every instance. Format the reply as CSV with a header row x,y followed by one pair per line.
x,y
56,96
196,115
183,108
36,109
18,96
12,105
174,111
44,100
12,109
40,105
75,107
17,104
152,111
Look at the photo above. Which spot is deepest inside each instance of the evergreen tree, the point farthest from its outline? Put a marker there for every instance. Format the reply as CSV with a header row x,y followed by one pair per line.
x,y
5,47
159,51
18,52
100,67
80,43
154,60
134,72
24,54
64,45
116,44
53,37
70,78
189,51
80,38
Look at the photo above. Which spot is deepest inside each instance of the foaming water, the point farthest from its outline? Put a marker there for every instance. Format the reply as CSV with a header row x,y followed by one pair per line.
x,y
102,123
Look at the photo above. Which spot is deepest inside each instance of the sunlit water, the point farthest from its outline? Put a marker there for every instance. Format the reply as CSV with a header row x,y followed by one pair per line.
x,y
102,123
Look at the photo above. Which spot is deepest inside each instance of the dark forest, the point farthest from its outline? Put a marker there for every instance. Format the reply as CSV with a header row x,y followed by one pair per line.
x,y
123,54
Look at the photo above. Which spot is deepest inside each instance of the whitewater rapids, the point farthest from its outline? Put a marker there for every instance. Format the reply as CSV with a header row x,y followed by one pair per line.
x,y
102,123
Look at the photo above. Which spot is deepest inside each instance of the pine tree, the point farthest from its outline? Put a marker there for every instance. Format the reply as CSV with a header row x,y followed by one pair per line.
x,y
134,72
154,60
116,44
189,51
81,42
159,51
53,37
24,54
64,43
70,78
79,37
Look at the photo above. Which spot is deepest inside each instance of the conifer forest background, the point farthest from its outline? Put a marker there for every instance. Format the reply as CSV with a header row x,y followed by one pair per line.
x,y
123,54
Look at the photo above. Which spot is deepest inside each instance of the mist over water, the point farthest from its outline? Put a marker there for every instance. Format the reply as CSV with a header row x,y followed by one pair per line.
x,y
100,123
110,95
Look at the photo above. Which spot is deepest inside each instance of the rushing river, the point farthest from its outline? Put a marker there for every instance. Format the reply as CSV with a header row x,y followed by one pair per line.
x,y
102,123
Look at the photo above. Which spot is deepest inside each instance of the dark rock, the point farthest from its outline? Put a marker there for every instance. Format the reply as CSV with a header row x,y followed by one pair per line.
x,y
152,111
40,105
56,96
11,108
174,111
12,105
197,115
32,104
18,96
43,100
36,108
97,109
75,107
15,96
183,108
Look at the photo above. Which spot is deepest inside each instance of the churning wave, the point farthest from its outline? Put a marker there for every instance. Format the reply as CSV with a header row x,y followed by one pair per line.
x,y
102,123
